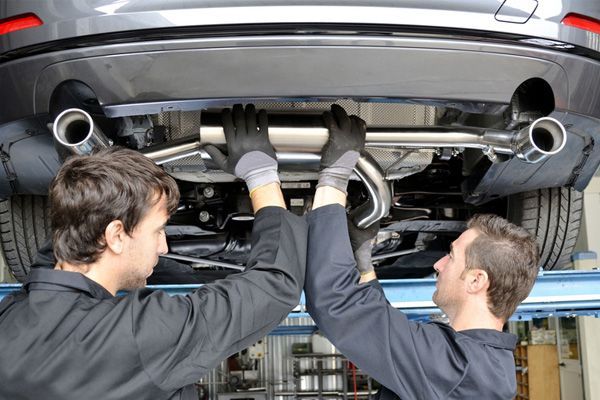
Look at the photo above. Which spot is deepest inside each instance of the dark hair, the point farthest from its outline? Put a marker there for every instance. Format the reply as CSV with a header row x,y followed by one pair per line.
x,y
509,255
89,192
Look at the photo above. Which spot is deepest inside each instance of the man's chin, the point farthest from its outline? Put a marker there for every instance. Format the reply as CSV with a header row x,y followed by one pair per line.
x,y
129,286
436,299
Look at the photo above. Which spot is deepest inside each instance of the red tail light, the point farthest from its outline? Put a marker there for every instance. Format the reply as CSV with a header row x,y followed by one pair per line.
x,y
582,22
19,22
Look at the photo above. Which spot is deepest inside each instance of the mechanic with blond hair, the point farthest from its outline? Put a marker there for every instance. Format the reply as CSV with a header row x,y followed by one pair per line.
x,y
489,270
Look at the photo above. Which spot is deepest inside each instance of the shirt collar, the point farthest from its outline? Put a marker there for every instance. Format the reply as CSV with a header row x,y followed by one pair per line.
x,y
492,338
52,279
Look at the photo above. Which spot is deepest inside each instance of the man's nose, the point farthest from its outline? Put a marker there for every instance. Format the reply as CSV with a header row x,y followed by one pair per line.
x,y
439,264
163,248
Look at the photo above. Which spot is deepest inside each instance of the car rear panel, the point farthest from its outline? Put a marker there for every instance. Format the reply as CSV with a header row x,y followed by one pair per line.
x,y
65,19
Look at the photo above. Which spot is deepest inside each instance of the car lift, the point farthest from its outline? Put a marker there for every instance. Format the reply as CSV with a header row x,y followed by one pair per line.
x,y
556,293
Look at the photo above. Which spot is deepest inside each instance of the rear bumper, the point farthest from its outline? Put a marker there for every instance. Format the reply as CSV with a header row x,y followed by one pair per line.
x,y
150,77
134,78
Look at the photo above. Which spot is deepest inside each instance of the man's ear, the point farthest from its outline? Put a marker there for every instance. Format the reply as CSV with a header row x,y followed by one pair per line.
x,y
477,280
114,234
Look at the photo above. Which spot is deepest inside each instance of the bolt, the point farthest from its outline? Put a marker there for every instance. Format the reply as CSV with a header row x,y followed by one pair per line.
x,y
204,216
490,153
208,192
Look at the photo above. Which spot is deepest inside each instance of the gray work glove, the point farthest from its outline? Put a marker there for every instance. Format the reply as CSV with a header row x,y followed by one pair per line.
x,y
250,155
342,150
362,241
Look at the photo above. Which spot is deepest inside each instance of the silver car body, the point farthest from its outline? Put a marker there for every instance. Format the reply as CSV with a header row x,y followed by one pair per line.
x,y
147,57
468,65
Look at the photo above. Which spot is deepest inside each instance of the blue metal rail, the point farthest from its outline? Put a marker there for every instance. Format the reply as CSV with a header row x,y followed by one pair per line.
x,y
556,293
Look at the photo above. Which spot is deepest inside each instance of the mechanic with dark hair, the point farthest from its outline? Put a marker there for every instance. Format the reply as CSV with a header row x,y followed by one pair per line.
x,y
490,269
66,336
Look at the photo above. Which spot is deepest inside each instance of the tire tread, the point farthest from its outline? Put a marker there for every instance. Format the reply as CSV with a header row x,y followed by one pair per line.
x,y
24,226
553,216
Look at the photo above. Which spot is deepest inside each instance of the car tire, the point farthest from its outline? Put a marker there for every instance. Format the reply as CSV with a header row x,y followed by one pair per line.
x,y
24,226
553,216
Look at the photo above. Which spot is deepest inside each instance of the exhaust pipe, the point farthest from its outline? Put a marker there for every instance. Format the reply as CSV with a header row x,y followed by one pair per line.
x,y
75,130
543,138
295,143
534,143
380,192
367,169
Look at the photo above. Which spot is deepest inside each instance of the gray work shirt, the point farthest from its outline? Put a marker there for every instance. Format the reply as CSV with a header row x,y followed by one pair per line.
x,y
66,337
425,361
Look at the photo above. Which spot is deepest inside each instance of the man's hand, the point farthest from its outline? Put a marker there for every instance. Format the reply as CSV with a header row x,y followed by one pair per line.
x,y
342,150
362,245
250,155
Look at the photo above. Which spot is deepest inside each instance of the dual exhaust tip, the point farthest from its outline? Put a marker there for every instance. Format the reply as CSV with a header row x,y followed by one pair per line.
x,y
75,130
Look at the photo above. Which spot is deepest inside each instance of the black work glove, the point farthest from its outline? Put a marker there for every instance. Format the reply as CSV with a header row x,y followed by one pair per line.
x,y
251,156
362,241
342,151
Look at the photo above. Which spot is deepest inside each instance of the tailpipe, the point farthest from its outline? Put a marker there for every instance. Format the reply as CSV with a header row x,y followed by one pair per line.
x,y
532,144
76,131
543,138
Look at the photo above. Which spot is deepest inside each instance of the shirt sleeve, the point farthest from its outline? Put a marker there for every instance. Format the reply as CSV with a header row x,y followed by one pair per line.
x,y
415,361
179,338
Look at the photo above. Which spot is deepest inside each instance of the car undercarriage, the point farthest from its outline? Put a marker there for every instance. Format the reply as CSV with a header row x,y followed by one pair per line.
x,y
419,176
489,110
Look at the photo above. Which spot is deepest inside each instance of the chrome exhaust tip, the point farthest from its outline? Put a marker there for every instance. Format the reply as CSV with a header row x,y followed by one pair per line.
x,y
543,138
75,130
